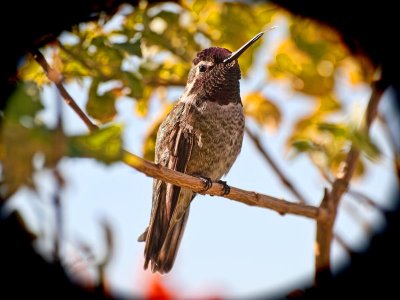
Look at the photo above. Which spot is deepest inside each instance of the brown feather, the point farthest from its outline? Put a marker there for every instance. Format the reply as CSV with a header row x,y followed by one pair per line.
x,y
170,203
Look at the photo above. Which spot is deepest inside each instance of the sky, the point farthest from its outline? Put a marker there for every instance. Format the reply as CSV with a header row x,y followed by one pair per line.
x,y
228,249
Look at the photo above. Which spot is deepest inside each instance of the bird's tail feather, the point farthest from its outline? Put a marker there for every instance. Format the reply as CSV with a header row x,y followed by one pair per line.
x,y
164,234
162,256
166,256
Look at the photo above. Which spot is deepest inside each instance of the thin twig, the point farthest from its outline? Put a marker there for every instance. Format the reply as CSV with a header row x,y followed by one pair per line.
x,y
332,199
343,243
107,258
284,179
58,216
57,78
362,198
358,217
184,180
88,64
262,149
393,144
59,183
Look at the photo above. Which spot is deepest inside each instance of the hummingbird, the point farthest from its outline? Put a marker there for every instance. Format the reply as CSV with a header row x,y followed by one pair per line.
x,y
201,136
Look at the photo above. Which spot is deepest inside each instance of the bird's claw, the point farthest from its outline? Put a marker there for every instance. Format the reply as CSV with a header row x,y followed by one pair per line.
x,y
226,188
207,183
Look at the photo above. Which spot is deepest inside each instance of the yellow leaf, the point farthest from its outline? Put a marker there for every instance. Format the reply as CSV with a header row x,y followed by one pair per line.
x,y
198,5
231,24
358,72
328,104
142,104
31,71
336,165
262,110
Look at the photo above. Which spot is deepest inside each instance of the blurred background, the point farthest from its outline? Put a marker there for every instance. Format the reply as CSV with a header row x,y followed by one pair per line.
x,y
304,94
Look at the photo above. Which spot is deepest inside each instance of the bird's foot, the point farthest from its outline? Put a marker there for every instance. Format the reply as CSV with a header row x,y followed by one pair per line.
x,y
207,183
226,188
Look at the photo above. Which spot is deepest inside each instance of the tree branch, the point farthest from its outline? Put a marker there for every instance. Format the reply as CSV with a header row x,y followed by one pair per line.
x,y
57,78
217,189
181,179
331,199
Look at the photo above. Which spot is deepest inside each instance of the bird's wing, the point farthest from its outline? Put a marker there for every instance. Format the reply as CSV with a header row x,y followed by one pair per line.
x,y
170,202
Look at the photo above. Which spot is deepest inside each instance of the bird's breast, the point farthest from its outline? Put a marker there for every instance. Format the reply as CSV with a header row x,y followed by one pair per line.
x,y
218,133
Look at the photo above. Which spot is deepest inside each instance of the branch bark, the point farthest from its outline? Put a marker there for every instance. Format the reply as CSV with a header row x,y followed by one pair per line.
x,y
331,200
180,179
217,189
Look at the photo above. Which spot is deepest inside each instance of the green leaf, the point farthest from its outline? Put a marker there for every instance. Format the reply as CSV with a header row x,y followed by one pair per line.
x,y
18,167
175,38
363,142
23,137
99,40
24,103
101,107
130,48
338,130
358,138
104,144
74,62
303,146
134,84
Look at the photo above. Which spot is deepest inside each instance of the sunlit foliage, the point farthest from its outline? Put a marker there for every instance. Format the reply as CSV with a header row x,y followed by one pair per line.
x,y
151,51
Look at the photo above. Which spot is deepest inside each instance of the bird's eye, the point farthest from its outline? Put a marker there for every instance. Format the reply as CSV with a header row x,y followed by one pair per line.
x,y
202,68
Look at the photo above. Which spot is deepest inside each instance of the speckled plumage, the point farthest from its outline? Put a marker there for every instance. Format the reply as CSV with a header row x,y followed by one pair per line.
x,y
201,136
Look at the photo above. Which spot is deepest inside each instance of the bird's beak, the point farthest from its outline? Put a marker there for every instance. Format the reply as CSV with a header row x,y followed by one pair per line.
x,y
236,54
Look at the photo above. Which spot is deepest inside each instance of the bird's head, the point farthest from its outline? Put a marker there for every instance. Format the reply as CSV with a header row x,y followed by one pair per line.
x,y
215,75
